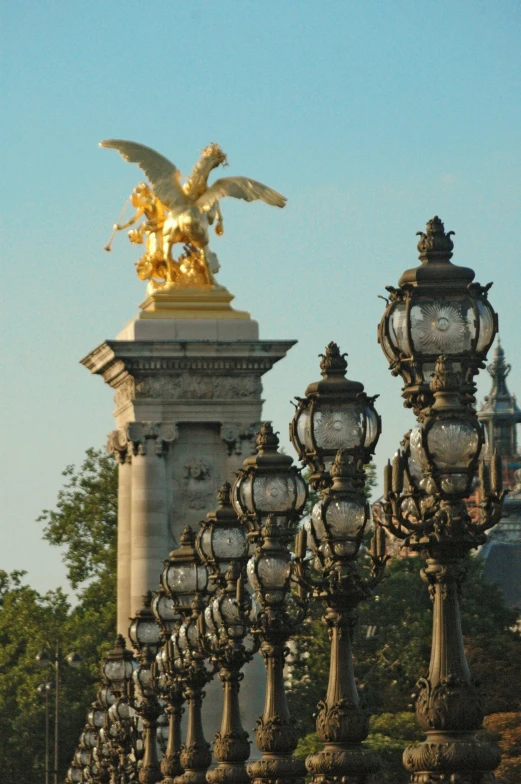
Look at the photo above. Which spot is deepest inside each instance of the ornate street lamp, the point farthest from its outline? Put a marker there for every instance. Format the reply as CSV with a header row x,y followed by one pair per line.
x,y
222,538
145,636
334,532
168,684
184,574
223,543
196,756
439,322
227,621
268,484
118,668
280,614
335,414
185,579
436,309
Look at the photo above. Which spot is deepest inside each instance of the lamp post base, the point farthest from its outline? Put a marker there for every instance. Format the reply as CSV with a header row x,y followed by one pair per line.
x,y
455,758
228,773
277,768
340,763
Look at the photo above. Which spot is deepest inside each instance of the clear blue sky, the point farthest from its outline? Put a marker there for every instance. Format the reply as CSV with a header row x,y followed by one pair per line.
x,y
370,117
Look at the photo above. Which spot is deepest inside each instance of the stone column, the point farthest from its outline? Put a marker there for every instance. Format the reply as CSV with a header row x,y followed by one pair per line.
x,y
148,532
119,447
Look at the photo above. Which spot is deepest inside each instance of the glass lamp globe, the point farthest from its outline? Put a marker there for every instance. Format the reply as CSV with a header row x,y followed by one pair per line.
x,y
269,570
337,522
96,716
118,666
122,710
451,447
437,309
268,483
188,641
89,737
335,414
232,606
143,679
105,697
143,631
184,575
166,611
222,538
75,774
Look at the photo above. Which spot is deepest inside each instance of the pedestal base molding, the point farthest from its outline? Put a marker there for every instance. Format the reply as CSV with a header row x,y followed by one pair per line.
x,y
170,768
346,765
149,774
283,771
228,773
454,761
453,778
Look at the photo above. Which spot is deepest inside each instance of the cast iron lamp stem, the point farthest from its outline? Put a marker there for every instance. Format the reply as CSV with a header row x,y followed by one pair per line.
x,y
280,615
230,621
170,764
196,756
342,722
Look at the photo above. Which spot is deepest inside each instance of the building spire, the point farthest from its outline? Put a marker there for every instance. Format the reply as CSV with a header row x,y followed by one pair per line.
x,y
499,412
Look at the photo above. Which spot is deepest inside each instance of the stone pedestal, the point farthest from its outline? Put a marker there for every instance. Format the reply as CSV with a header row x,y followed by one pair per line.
x,y
186,375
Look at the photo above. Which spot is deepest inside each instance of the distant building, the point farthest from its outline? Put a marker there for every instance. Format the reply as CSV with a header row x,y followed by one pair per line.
x,y
500,416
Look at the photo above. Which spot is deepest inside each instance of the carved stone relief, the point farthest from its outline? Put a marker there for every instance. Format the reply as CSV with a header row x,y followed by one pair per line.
x,y
150,435
199,484
124,392
199,387
237,435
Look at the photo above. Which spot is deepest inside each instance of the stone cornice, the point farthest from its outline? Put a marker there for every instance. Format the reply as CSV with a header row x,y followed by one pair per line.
x,y
116,358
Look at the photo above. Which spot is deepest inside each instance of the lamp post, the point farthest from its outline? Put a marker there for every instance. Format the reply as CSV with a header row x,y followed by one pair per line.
x,y
167,682
44,689
280,614
270,494
196,756
55,659
336,412
439,323
145,636
117,670
185,579
222,543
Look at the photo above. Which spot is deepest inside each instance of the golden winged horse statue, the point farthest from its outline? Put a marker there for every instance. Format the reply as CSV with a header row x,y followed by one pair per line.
x,y
181,212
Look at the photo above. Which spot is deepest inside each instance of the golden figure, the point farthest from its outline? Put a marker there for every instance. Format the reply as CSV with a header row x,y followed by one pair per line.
x,y
176,212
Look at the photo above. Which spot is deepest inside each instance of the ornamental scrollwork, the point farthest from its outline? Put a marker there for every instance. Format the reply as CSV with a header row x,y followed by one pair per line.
x,y
451,704
343,722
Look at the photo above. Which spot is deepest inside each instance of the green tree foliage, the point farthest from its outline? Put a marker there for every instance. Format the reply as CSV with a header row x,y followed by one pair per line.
x,y
505,729
85,518
85,523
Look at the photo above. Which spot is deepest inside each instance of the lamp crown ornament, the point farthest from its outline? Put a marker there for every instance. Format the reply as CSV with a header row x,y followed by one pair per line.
x,y
224,495
435,244
187,537
267,440
333,362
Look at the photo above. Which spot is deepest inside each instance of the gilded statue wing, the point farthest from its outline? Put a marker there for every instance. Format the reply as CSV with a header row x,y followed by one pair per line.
x,y
162,173
239,188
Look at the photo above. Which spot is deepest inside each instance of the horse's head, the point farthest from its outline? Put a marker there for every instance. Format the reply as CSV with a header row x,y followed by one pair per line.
x,y
215,154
